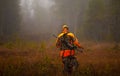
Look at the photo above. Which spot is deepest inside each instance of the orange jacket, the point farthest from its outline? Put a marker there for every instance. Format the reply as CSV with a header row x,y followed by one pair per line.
x,y
65,53
76,42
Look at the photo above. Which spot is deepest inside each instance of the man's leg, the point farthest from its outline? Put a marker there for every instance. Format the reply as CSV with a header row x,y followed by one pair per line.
x,y
67,65
75,63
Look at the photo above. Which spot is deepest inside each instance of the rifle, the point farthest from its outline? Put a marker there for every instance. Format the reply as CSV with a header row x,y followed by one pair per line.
x,y
71,46
80,49
55,36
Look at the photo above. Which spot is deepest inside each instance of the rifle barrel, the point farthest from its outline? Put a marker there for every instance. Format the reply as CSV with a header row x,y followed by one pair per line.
x,y
54,36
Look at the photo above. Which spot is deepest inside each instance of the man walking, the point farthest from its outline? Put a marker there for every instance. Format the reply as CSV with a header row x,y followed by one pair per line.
x,y
67,43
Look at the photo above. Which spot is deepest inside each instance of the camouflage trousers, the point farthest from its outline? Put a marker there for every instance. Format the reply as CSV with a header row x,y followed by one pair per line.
x,y
70,64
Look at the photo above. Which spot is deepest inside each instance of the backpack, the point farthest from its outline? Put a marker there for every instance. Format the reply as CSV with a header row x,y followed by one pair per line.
x,y
66,42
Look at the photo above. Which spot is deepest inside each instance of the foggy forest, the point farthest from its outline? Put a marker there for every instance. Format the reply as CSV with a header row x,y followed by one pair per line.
x,y
27,44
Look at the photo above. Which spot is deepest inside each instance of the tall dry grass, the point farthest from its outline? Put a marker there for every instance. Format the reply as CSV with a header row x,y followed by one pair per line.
x,y
22,58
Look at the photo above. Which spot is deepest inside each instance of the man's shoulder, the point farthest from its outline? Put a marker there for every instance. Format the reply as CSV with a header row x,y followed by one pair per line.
x,y
61,34
71,34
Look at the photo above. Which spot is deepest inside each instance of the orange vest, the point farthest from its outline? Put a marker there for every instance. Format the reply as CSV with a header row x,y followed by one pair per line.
x,y
66,53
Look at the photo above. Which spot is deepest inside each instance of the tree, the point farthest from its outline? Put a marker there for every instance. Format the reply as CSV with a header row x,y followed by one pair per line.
x,y
114,17
9,17
94,22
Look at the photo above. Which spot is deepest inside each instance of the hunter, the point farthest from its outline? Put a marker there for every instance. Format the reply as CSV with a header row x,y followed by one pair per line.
x,y
67,42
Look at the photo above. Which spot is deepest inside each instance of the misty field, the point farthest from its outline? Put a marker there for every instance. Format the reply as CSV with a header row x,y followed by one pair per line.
x,y
42,59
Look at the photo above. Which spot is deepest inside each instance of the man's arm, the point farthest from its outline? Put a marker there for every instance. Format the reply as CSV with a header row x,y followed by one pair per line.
x,y
57,43
75,40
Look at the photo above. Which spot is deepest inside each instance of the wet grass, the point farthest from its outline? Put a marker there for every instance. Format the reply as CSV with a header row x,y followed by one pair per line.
x,y
41,59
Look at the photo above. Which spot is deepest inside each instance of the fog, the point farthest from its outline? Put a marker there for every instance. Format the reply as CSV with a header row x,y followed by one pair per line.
x,y
47,16
95,20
